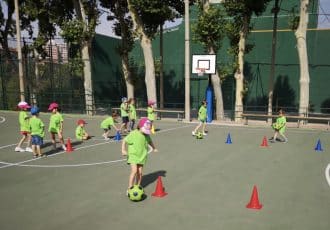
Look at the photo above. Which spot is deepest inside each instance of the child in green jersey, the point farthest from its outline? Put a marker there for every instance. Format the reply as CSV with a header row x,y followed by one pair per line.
x,y
81,133
56,125
135,147
23,119
37,132
107,123
124,114
202,116
279,127
151,114
132,113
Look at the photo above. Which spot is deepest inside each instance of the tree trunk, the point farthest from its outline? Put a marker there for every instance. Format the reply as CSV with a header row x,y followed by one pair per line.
x,y
215,79
124,54
127,76
239,76
85,53
303,58
146,46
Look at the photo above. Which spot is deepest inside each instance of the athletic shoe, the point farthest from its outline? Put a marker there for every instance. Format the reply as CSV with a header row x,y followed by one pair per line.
x,y
63,147
28,149
19,149
204,134
193,133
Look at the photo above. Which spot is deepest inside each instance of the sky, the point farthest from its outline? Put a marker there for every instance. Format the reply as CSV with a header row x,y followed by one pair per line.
x,y
105,27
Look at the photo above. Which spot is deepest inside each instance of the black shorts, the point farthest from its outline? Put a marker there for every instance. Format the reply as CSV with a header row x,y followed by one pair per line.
x,y
125,119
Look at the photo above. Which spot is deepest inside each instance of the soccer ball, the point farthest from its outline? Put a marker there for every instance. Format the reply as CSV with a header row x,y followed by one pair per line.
x,y
135,193
199,135
276,126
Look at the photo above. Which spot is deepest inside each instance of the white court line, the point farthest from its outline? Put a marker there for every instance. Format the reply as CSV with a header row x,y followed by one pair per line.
x,y
2,119
327,175
22,163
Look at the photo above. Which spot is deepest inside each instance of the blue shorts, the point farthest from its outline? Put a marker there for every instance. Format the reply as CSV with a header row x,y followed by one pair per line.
x,y
36,140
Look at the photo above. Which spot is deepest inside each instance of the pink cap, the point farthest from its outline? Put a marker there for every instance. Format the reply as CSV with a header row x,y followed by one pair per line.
x,y
52,106
150,102
23,105
143,125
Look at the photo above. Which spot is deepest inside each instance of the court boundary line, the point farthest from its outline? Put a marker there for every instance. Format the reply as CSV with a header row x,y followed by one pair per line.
x,y
2,119
327,176
22,163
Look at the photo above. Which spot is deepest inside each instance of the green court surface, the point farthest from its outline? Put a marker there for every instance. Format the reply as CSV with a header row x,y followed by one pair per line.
x,y
209,182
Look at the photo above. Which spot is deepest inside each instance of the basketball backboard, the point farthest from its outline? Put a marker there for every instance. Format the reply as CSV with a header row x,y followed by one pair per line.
x,y
205,62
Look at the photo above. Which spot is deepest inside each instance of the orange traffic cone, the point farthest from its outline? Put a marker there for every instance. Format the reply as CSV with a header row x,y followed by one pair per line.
x,y
264,142
160,191
254,202
68,146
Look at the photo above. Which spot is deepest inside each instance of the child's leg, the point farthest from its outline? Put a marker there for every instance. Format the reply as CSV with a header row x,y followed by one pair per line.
x,y
132,175
275,135
28,140
60,137
203,128
22,140
52,137
139,174
132,124
34,150
38,150
197,127
285,138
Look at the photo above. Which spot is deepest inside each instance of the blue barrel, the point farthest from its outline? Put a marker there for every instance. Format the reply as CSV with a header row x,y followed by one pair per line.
x,y
209,100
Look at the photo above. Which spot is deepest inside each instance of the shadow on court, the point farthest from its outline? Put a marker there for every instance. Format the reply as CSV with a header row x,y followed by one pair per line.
x,y
152,177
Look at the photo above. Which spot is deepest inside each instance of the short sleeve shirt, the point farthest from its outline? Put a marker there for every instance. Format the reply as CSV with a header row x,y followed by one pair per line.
x,y
106,123
202,113
80,132
37,127
151,113
137,147
132,112
55,122
124,110
23,119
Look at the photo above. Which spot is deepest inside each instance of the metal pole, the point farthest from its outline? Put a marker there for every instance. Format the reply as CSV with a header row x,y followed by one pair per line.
x,y
19,54
187,62
272,66
161,73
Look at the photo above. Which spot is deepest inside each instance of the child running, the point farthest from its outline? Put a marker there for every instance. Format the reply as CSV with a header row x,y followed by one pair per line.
x,y
81,133
37,129
107,123
202,116
56,125
132,113
23,119
135,147
279,126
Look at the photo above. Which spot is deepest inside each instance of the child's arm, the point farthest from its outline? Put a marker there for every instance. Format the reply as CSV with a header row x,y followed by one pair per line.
x,y
115,127
123,148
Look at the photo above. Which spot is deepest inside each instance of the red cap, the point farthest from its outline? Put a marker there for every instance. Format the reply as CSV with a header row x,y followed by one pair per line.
x,y
81,121
23,105
142,125
150,102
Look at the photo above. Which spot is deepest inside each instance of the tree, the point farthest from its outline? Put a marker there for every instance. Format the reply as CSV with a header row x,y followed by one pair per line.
x,y
241,11
147,15
300,34
123,28
209,31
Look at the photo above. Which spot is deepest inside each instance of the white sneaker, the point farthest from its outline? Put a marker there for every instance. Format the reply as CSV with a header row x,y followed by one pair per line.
x,y
193,133
106,138
204,134
19,149
63,147
28,149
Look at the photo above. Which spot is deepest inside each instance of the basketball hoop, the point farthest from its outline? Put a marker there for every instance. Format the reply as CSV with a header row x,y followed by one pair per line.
x,y
200,72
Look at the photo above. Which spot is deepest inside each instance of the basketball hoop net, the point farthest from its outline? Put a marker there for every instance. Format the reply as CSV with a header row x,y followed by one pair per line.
x,y
200,72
